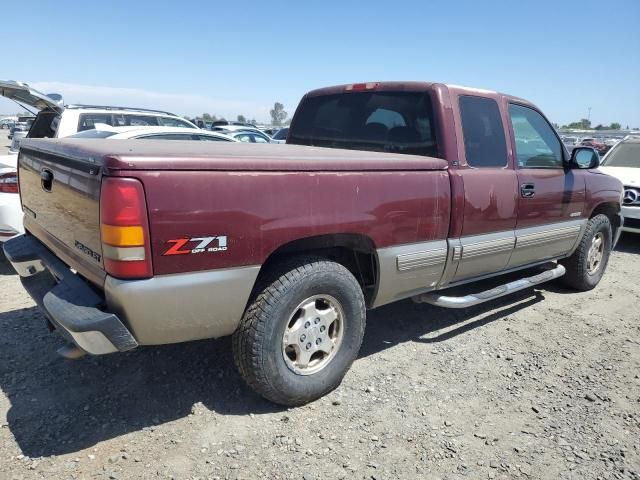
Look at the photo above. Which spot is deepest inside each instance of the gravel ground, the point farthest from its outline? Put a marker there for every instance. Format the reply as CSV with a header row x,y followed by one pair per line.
x,y
541,385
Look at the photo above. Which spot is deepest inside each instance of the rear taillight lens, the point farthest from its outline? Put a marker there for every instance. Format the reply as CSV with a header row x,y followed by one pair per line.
x,y
9,183
124,228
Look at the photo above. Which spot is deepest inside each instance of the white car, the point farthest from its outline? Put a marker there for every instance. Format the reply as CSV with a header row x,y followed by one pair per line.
x,y
153,133
10,209
57,120
247,135
623,162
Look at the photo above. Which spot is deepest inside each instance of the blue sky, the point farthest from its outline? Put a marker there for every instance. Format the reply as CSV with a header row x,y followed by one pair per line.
x,y
231,58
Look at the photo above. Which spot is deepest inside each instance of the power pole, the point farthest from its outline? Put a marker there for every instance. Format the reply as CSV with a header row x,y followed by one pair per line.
x,y
589,113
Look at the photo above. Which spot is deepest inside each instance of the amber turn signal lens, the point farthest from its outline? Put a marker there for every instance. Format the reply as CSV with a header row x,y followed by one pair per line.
x,y
132,236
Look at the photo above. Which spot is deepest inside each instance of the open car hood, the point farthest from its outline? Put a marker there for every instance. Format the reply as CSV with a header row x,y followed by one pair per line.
x,y
24,94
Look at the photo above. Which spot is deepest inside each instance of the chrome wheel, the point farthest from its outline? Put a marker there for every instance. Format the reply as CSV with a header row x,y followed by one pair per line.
x,y
313,334
595,254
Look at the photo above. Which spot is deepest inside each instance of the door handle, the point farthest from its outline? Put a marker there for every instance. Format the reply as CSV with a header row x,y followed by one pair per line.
x,y
527,190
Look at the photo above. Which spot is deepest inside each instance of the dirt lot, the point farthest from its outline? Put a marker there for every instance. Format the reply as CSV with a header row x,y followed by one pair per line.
x,y
543,385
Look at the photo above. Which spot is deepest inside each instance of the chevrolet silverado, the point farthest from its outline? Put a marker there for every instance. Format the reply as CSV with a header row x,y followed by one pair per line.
x,y
384,191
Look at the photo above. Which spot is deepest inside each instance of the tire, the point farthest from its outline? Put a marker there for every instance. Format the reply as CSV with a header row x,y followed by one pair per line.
x,y
278,373
581,274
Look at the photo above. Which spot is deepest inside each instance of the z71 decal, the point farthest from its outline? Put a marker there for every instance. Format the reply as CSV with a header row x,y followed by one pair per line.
x,y
184,246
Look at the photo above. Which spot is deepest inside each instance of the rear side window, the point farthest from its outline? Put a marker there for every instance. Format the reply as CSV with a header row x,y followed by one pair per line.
x,y
397,122
484,142
173,122
88,121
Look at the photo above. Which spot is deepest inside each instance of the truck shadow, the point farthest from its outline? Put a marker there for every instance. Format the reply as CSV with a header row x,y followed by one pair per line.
x,y
60,406
5,266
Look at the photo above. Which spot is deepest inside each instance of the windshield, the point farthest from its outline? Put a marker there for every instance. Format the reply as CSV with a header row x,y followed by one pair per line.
x,y
93,134
399,122
624,155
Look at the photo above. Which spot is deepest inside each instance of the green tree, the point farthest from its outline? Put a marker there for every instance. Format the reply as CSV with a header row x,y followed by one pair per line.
x,y
599,127
583,124
615,126
242,118
278,114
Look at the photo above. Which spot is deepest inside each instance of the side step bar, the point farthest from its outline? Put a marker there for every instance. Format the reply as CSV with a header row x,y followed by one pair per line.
x,y
436,298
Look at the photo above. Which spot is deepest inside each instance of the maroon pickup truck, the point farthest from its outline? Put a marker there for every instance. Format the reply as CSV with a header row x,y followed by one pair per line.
x,y
384,191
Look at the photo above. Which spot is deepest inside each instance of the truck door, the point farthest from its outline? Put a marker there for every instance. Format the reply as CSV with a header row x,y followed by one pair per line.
x,y
551,198
486,240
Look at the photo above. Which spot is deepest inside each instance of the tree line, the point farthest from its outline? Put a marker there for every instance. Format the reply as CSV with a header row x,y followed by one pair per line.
x,y
278,114
585,124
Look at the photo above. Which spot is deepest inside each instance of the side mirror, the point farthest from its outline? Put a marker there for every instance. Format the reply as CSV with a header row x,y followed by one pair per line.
x,y
584,158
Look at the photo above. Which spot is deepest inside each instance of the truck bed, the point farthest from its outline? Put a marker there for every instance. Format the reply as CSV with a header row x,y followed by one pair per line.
x,y
181,155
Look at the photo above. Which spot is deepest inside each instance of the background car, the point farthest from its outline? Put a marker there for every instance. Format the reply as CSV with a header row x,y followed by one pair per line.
x,y
281,135
7,122
10,209
599,146
226,123
23,124
623,162
252,135
153,133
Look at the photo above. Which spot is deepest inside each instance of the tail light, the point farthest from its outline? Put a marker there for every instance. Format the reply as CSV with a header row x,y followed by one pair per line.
x,y
9,183
124,228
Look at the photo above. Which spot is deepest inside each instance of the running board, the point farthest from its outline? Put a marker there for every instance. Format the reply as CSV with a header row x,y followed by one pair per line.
x,y
436,298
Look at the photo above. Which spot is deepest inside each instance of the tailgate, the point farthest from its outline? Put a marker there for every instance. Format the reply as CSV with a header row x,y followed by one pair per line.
x,y
61,201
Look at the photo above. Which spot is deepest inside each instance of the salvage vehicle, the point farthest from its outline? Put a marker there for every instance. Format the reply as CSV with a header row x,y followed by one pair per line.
x,y
623,162
384,191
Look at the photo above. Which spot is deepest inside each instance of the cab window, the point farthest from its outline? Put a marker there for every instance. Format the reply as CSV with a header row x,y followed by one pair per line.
x,y
537,145
484,141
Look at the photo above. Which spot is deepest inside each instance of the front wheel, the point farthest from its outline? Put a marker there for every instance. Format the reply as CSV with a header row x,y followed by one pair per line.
x,y
302,332
588,263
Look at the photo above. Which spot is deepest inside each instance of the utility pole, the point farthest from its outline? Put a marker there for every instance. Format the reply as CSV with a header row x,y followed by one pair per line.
x,y
589,113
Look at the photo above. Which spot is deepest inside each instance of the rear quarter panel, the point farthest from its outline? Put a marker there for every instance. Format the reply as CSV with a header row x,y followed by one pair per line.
x,y
261,211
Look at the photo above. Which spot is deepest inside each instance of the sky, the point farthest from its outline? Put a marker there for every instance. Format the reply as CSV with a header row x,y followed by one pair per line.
x,y
230,58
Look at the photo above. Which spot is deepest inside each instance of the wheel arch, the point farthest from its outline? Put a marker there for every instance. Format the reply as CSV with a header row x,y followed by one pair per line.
x,y
612,211
356,252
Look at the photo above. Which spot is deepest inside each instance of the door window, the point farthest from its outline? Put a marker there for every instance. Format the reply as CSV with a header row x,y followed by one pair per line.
x,y
537,145
484,141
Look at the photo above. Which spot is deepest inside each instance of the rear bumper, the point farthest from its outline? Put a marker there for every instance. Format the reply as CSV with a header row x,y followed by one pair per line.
x,y
127,313
72,307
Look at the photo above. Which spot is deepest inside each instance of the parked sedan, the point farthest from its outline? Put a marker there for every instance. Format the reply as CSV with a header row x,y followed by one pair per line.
x,y
249,136
10,210
153,133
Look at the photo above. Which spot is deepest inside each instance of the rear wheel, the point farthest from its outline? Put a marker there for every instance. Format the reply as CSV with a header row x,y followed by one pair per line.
x,y
588,263
302,332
